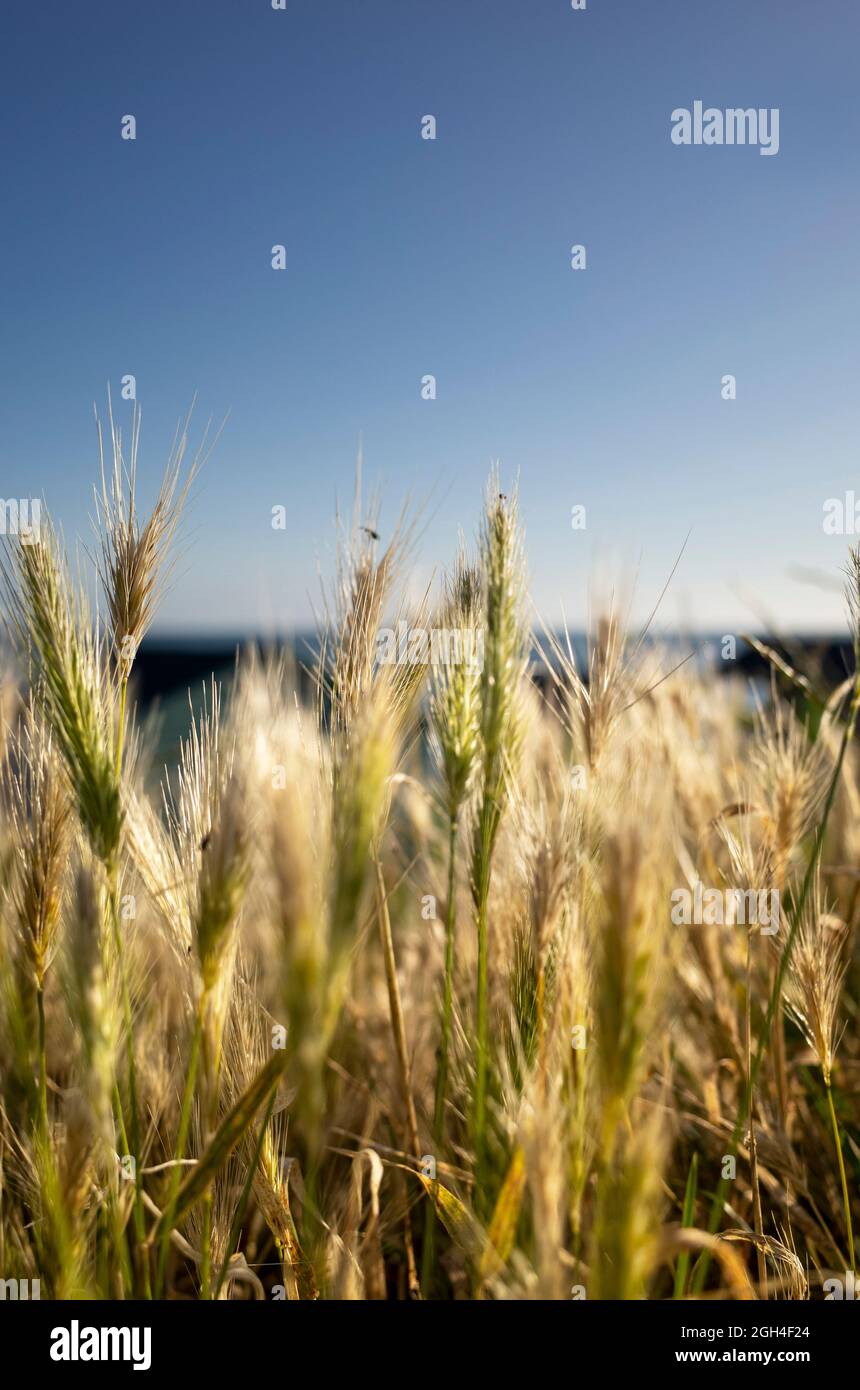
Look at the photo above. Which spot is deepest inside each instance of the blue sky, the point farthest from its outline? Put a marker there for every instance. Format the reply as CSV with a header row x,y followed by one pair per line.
x,y
407,257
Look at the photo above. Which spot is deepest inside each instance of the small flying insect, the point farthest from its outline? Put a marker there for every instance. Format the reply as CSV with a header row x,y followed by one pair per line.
x,y
374,535
204,843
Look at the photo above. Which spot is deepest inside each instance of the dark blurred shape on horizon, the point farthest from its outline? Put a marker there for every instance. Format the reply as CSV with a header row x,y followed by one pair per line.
x,y
167,665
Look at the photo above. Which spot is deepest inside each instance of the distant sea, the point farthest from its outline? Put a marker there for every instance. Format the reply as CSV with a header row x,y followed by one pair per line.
x,y
173,673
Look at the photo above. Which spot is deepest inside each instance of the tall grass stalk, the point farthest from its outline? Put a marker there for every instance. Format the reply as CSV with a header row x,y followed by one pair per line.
x,y
505,654
455,743
843,1178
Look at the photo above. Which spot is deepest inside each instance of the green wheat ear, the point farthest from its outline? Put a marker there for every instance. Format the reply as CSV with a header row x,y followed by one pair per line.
x,y
501,728
52,624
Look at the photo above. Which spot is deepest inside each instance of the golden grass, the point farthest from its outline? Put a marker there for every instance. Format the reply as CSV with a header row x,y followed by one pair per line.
x,y
381,996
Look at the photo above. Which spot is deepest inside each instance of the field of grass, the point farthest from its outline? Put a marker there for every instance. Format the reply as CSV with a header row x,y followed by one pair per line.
x,y
391,994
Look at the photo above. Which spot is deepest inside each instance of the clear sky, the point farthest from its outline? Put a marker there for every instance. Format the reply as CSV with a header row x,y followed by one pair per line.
x,y
407,257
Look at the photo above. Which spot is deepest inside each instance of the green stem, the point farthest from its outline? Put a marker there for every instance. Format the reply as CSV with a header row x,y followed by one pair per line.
x,y
120,733
481,1027
750,1102
206,1249
211,1058
398,1025
128,1022
239,1214
448,996
43,1062
118,1228
842,1175
113,879
181,1142
429,1251
489,820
